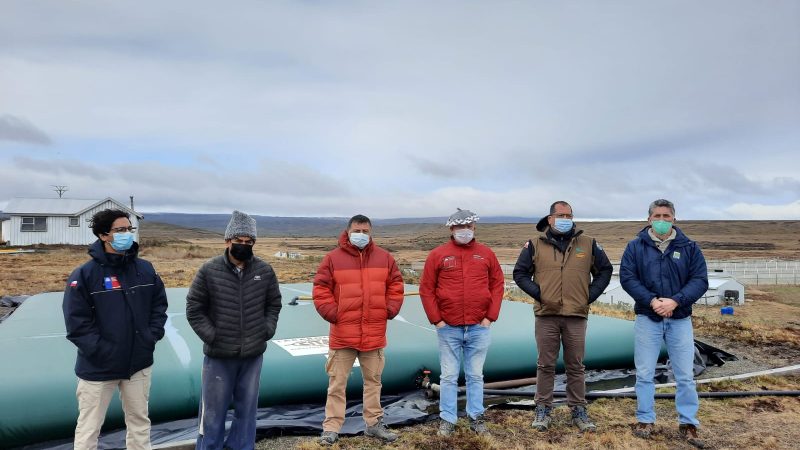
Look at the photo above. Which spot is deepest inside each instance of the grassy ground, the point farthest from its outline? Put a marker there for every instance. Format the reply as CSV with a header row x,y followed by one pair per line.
x,y
757,422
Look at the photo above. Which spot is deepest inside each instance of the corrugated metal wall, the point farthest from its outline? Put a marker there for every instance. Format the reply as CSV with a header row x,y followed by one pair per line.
x,y
59,231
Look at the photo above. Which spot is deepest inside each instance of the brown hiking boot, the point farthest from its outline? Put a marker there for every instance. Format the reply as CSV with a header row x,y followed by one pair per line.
x,y
689,432
643,430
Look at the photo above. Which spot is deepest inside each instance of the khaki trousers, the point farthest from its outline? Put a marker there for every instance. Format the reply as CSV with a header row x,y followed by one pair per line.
x,y
340,363
93,400
551,333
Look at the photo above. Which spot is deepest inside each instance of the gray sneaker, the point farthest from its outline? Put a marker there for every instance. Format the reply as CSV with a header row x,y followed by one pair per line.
x,y
446,428
542,419
380,431
478,425
328,438
580,418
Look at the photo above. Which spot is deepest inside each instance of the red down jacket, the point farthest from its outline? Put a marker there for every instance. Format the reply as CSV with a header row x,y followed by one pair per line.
x,y
462,284
357,292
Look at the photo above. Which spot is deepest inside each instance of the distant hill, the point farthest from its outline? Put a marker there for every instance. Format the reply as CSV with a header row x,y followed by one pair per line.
x,y
301,226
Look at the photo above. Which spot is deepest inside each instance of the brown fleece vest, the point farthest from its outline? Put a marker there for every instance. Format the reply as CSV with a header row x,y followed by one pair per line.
x,y
563,278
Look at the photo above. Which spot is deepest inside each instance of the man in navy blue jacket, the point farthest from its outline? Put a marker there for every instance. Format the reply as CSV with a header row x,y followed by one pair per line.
x,y
114,309
665,273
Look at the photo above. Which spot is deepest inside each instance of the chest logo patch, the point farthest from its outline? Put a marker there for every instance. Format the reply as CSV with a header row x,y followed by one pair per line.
x,y
676,255
449,262
257,278
111,282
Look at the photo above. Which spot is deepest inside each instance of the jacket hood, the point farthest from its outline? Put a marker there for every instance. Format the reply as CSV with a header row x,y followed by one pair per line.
x,y
98,252
542,224
344,244
681,240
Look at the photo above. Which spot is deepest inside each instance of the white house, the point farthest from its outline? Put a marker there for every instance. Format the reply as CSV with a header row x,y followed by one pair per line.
x,y
718,284
56,220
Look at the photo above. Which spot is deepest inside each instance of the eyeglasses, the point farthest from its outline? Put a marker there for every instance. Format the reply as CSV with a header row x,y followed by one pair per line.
x,y
240,241
122,230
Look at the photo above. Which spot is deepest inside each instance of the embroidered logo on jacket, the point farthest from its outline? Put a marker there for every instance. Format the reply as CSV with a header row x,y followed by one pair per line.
x,y
579,253
73,284
257,278
676,255
449,262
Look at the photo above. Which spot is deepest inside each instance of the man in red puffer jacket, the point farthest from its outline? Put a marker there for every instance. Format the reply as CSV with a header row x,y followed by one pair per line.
x,y
357,288
462,290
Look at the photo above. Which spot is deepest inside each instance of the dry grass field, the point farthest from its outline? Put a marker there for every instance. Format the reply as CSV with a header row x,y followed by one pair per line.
x,y
764,333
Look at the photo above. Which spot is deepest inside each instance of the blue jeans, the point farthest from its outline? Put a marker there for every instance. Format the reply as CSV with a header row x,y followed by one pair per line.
x,y
473,342
226,380
679,336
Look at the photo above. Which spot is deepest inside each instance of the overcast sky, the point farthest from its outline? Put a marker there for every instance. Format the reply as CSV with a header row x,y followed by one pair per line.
x,y
405,109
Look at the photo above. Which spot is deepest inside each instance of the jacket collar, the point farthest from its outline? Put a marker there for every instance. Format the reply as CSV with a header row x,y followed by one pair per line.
x,y
681,240
98,252
344,244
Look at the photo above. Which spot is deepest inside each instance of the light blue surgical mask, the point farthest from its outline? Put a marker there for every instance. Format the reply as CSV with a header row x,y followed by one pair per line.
x,y
661,227
122,241
463,236
360,240
563,225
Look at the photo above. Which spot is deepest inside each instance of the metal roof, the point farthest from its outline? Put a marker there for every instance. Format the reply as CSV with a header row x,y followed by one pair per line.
x,y
57,206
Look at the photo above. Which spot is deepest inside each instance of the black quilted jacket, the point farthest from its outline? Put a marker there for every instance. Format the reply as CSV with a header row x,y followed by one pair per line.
x,y
234,314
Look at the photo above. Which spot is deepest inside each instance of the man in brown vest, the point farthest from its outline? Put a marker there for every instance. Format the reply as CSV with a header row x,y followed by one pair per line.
x,y
564,271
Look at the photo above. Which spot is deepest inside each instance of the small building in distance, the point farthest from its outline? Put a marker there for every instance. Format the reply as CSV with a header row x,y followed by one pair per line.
x,y
288,255
51,221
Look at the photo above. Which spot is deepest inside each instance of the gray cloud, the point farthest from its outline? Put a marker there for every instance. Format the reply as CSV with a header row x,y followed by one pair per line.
x,y
506,106
17,129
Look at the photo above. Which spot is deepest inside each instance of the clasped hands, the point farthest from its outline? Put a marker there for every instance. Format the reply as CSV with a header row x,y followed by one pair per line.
x,y
663,306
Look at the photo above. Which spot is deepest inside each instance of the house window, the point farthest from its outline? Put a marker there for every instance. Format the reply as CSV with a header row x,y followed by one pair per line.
x,y
74,221
34,224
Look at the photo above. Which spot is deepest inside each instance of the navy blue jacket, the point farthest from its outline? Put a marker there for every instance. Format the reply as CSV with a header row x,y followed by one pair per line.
x,y
114,310
680,273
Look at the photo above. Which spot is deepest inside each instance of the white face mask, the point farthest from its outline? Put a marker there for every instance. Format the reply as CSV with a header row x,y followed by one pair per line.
x,y
463,235
360,240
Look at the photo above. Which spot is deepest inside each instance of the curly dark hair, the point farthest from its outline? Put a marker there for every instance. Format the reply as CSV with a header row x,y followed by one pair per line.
x,y
102,220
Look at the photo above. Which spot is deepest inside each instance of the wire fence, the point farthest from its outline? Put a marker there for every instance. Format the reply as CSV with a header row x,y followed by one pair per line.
x,y
760,271
752,272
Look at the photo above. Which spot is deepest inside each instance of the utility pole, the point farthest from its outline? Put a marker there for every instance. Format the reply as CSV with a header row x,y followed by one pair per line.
x,y
132,204
60,189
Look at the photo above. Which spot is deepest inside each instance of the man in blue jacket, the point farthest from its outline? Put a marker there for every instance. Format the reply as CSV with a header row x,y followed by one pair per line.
x,y
114,309
665,273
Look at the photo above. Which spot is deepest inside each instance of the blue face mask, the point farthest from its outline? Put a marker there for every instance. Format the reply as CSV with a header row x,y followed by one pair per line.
x,y
360,240
122,241
563,225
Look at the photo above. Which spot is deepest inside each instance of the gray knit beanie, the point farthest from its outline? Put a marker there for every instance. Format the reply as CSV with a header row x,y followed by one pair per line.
x,y
462,217
241,225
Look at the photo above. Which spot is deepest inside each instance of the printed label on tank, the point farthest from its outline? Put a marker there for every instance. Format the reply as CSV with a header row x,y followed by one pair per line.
x,y
311,345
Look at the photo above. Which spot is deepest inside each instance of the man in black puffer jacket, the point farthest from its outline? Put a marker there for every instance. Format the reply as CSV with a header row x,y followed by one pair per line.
x,y
114,310
233,306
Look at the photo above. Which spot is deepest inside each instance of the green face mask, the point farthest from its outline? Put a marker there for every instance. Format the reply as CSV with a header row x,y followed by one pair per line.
x,y
661,227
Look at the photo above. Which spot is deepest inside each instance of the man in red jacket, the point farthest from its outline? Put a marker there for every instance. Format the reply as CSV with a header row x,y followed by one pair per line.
x,y
462,289
357,288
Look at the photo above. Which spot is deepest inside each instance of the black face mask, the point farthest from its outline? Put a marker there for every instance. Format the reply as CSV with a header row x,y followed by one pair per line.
x,y
242,252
